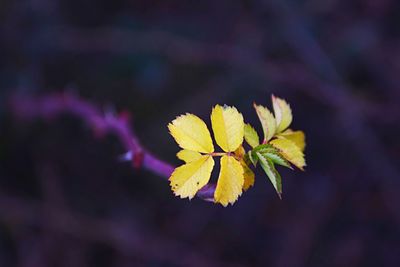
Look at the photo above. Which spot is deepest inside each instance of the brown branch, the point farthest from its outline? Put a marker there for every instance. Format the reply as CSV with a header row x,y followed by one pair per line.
x,y
53,105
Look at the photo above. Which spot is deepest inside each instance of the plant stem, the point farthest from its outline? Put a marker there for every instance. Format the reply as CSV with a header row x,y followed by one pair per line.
x,y
51,106
217,154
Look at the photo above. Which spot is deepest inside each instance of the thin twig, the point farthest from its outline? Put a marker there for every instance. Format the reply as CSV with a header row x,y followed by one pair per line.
x,y
54,105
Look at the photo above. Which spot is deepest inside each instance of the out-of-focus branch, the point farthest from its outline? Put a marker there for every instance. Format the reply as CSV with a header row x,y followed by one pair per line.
x,y
333,90
120,236
53,105
179,49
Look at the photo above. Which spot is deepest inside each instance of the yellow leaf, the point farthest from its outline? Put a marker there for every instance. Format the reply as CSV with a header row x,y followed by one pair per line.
x,y
290,151
230,181
191,133
267,121
187,179
240,152
249,176
188,155
251,136
247,172
297,137
283,113
228,127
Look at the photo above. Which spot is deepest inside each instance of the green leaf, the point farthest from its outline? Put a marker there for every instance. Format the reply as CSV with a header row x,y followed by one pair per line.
x,y
277,158
264,148
273,154
253,158
251,136
273,175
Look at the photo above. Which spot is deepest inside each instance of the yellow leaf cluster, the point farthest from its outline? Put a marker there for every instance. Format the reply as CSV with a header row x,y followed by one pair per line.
x,y
193,136
275,126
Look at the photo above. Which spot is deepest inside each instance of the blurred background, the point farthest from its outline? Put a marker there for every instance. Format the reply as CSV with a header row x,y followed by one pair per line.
x,y
66,200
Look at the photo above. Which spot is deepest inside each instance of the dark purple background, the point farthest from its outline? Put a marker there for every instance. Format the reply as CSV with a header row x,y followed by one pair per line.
x,y
65,200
